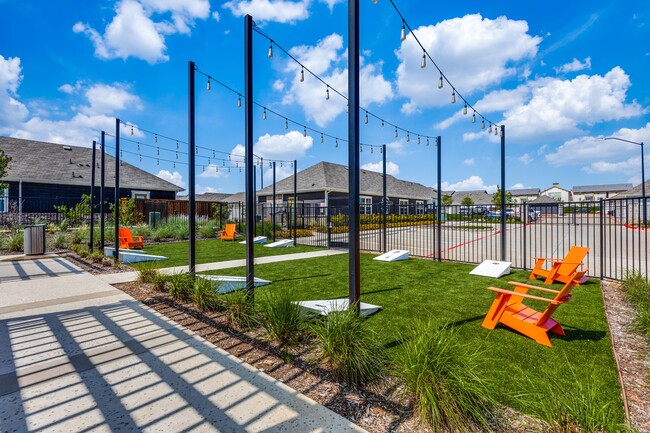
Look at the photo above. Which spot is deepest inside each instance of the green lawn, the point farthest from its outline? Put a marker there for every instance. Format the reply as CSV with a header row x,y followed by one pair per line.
x,y
422,289
214,250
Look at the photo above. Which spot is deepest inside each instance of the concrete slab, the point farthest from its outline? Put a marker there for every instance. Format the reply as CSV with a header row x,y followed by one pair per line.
x,y
393,256
283,243
326,306
257,240
228,283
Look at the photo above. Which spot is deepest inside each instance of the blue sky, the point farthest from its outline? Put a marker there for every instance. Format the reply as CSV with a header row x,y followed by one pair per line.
x,y
559,75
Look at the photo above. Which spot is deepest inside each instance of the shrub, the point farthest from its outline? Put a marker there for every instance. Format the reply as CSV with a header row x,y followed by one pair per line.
x,y
159,282
282,318
637,292
208,229
147,272
349,347
61,240
96,256
442,376
172,228
239,307
180,286
205,295
78,236
15,240
63,225
51,228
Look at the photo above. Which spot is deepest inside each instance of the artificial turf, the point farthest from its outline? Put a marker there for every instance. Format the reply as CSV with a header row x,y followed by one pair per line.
x,y
524,372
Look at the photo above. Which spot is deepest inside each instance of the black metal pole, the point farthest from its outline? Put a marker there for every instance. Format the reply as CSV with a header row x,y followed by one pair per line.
x,y
644,201
255,200
116,208
503,193
524,217
102,196
273,208
602,239
92,199
295,201
385,198
191,162
353,154
250,187
439,198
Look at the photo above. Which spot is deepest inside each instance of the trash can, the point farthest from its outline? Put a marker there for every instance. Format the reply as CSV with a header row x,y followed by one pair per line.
x,y
34,240
154,218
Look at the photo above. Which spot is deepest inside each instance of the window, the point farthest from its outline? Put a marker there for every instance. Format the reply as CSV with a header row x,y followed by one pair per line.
x,y
4,200
419,207
403,207
140,194
555,195
365,205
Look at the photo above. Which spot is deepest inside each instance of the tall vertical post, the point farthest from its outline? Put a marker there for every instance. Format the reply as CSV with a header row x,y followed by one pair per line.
x,y
353,154
191,137
503,193
601,214
250,187
92,199
102,196
295,201
644,200
384,200
116,208
439,198
273,206
255,200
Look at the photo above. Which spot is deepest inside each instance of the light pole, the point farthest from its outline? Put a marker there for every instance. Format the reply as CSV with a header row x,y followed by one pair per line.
x,y
645,211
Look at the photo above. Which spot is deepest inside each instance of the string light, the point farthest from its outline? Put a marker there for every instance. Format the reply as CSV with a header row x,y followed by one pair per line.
x,y
396,134
440,82
304,131
131,130
465,109
271,50
361,148
302,75
155,138
403,34
424,61
264,114
366,118
453,96
286,123
418,139
337,142
239,102
474,117
322,139
490,128
327,93
482,123
208,87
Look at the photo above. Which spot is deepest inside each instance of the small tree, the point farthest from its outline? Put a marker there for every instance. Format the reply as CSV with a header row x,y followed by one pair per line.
x,y
4,168
496,197
447,200
467,201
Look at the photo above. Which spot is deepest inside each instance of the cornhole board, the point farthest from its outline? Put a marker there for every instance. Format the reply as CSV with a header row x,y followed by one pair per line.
x,y
132,256
393,256
258,240
230,284
326,306
492,268
280,244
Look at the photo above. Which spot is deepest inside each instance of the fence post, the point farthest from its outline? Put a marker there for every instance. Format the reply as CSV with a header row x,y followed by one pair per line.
x,y
525,219
602,243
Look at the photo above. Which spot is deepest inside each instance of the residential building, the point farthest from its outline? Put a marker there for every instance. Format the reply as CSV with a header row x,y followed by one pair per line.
x,y
596,192
478,197
521,195
557,193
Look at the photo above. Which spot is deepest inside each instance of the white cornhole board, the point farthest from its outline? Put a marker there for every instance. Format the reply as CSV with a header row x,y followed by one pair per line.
x,y
326,306
132,256
230,283
280,244
393,256
257,240
492,268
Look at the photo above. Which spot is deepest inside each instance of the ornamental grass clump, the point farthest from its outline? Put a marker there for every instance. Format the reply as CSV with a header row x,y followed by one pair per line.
x,y
147,272
180,286
349,347
442,376
15,241
281,317
205,295
240,309
637,292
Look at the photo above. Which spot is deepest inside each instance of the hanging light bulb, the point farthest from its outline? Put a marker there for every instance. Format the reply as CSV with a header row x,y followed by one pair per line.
x,y
157,150
453,96
213,155
138,146
403,34
424,61
382,122
381,150
408,136
304,132
465,108
140,158
208,87
482,123
474,117
176,144
271,50
396,133
372,149
496,129
427,141
440,82
131,129
322,139
176,155
418,139
239,101
209,161
174,164
361,149
490,129
327,93
286,124
347,108
157,161
366,117
155,138
302,75
228,169
264,114
337,142
204,168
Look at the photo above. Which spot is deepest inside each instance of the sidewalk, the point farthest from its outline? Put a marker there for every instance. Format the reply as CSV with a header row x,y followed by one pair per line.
x,y
126,277
80,355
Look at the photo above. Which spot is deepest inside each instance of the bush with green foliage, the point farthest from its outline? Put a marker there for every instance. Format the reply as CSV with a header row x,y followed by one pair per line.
x,y
79,236
350,347
159,282
173,228
180,286
147,272
442,376
208,229
240,309
96,256
205,295
637,292
61,240
15,241
281,317
75,214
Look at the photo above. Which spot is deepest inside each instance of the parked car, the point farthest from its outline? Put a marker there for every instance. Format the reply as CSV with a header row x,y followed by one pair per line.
x,y
493,214
478,210
464,210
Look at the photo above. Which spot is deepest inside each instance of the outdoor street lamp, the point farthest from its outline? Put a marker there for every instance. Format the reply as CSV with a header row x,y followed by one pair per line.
x,y
645,216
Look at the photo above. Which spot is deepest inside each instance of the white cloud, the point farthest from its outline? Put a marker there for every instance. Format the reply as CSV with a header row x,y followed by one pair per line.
x,y
472,183
12,111
216,16
629,166
67,88
133,33
212,171
327,59
517,186
200,189
103,98
474,53
391,167
176,178
574,66
469,161
281,172
526,158
289,146
332,3
281,11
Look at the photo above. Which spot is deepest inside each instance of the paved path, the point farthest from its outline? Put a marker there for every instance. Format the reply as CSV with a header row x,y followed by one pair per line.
x,y
79,355
125,277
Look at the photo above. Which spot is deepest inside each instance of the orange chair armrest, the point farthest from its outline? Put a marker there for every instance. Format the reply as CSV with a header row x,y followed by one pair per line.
x,y
524,295
529,286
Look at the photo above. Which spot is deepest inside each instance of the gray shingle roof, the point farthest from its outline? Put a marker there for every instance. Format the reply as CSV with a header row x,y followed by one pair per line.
x,y
334,177
478,197
615,187
523,191
40,162
236,198
543,199
634,192
208,196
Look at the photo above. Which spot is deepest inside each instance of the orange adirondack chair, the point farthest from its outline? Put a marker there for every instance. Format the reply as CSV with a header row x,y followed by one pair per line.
x,y
127,241
229,233
508,308
562,270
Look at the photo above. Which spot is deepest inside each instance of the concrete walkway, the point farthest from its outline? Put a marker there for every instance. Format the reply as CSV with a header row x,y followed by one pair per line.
x,y
126,277
79,355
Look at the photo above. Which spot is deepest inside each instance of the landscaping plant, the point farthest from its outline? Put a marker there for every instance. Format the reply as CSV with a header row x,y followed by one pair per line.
x,y
637,292
15,241
180,286
147,272
441,375
349,347
281,317
240,309
159,282
61,240
205,295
